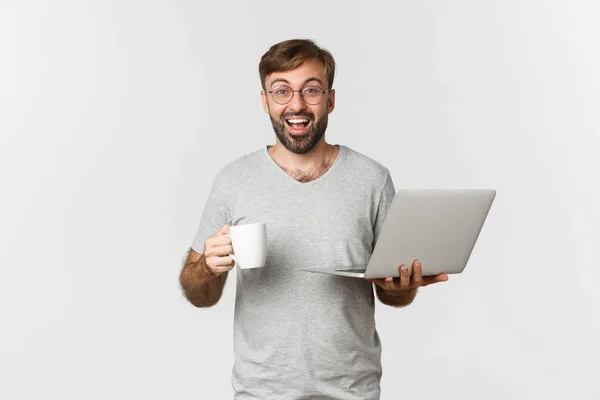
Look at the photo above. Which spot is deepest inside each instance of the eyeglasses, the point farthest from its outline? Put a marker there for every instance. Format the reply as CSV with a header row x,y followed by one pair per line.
x,y
311,94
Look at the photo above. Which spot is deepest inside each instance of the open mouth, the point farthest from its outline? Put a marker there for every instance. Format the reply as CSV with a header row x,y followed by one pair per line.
x,y
298,126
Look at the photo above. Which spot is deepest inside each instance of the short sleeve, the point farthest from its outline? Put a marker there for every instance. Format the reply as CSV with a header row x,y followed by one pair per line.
x,y
214,216
385,201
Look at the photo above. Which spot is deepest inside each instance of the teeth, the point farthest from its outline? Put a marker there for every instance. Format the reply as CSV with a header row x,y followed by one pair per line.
x,y
297,121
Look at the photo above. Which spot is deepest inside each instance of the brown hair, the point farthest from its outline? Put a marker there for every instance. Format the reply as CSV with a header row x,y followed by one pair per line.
x,y
290,54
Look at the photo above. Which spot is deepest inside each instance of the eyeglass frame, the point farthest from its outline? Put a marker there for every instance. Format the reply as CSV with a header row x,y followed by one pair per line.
x,y
301,95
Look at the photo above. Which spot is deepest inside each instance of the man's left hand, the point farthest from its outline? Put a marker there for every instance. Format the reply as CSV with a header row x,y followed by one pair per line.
x,y
407,283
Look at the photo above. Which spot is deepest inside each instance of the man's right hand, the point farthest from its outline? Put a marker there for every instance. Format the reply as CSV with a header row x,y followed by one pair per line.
x,y
216,252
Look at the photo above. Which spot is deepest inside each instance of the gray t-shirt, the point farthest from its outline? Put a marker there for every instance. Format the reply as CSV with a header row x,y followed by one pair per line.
x,y
301,335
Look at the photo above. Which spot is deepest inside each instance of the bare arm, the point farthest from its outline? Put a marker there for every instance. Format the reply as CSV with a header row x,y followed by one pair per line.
x,y
200,286
203,276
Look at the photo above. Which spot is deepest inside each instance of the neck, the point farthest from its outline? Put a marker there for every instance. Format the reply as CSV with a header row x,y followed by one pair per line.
x,y
320,155
305,167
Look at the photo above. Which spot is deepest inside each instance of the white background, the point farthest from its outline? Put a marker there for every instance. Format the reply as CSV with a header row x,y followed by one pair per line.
x,y
115,116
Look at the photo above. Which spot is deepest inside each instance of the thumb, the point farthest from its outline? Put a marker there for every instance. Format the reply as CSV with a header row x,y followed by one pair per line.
x,y
224,230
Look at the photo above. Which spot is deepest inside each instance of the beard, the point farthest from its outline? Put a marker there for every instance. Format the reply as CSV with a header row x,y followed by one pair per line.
x,y
305,143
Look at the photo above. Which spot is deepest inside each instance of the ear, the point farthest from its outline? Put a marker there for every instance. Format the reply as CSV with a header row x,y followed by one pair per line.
x,y
331,101
265,103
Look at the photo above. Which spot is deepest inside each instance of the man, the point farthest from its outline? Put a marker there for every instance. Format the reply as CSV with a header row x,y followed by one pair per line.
x,y
299,335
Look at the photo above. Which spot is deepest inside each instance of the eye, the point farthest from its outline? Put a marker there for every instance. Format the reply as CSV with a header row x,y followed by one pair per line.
x,y
281,90
312,90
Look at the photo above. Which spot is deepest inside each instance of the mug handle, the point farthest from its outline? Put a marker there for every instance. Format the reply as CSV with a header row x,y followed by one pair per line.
x,y
231,255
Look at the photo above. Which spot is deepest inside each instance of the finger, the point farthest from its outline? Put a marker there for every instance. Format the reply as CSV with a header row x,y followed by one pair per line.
x,y
218,240
222,250
389,284
404,277
428,280
417,277
221,261
219,270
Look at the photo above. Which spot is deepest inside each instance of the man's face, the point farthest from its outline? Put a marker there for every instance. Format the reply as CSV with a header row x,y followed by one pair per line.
x,y
298,125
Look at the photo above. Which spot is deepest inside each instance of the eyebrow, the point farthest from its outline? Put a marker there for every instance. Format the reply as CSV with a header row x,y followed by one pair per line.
x,y
313,78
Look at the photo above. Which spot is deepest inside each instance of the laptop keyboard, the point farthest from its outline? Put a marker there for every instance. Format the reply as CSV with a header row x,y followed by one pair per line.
x,y
360,271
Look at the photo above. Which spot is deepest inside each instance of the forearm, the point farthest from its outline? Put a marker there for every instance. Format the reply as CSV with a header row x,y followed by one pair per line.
x,y
395,299
199,285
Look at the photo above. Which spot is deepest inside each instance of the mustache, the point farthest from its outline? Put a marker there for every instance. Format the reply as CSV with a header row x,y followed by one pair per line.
x,y
305,114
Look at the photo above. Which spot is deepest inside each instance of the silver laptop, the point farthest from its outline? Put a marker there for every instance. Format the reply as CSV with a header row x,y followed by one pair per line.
x,y
439,227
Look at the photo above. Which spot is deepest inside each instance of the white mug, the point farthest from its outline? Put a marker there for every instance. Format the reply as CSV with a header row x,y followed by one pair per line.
x,y
249,245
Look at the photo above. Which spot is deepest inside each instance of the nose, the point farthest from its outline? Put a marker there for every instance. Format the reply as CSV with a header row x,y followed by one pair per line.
x,y
297,103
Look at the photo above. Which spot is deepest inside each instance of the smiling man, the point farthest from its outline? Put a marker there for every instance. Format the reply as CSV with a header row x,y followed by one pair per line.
x,y
299,335
295,124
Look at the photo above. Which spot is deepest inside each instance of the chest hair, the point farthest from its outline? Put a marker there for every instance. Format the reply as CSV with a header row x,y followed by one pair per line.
x,y
306,175
311,173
